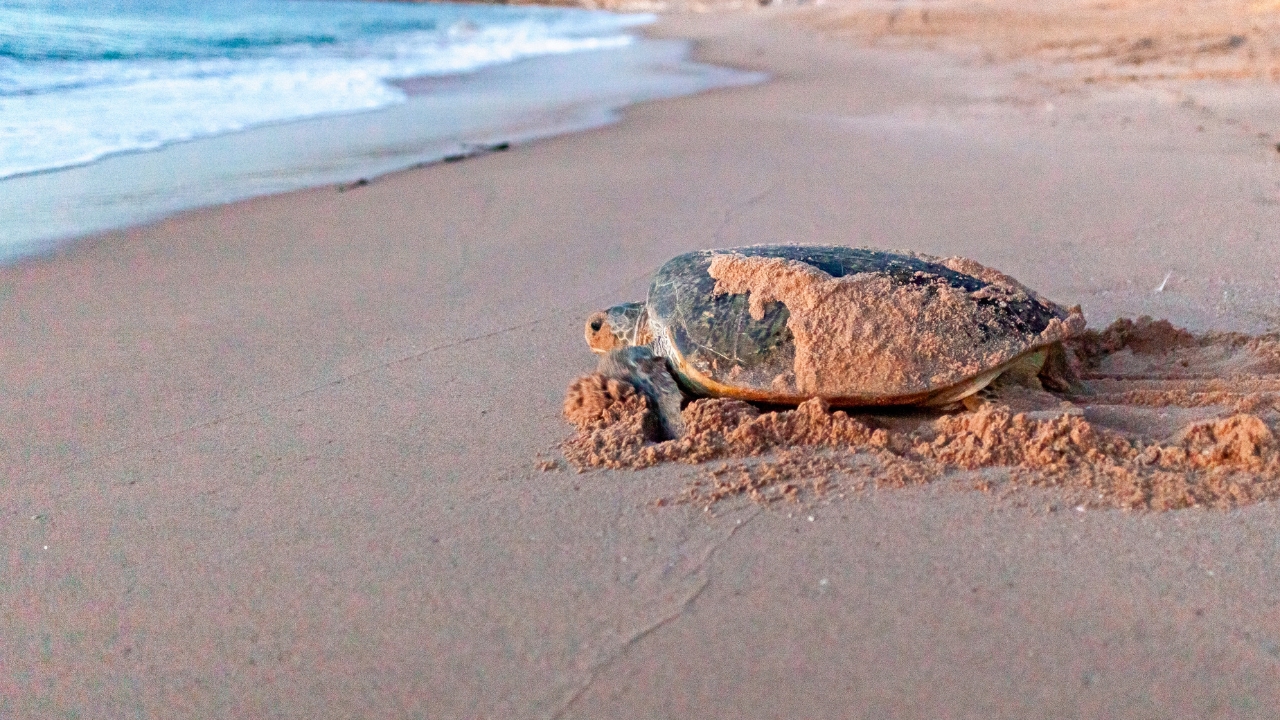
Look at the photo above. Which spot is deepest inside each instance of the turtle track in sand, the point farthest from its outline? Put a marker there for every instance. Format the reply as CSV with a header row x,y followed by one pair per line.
x,y
1168,419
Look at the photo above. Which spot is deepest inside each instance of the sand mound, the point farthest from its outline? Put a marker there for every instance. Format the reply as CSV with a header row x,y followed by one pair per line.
x,y
995,436
613,420
1141,336
595,401
614,426
1167,419
1242,442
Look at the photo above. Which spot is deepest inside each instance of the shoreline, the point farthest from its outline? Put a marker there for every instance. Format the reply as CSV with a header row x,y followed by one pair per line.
x,y
513,103
279,458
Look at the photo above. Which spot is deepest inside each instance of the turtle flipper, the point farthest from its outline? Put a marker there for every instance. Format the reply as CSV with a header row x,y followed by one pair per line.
x,y
650,375
1058,375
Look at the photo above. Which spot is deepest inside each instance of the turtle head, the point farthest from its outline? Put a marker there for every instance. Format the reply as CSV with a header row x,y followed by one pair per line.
x,y
620,326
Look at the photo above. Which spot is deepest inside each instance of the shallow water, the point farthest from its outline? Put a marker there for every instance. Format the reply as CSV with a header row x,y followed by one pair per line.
x,y
81,79
457,115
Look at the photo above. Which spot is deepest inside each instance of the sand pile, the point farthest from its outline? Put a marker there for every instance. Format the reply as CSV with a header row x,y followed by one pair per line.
x,y
615,436
1166,419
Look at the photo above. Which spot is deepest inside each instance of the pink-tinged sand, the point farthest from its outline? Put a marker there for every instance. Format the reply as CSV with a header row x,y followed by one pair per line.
x,y
277,459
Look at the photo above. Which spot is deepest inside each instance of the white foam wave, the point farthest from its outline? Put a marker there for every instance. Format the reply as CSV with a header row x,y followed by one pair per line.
x,y
74,113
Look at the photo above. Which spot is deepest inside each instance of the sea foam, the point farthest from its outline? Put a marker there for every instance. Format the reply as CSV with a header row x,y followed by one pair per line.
x,y
82,80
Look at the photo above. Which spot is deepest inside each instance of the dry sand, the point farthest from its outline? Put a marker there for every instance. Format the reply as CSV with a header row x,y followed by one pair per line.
x,y
276,459
1081,41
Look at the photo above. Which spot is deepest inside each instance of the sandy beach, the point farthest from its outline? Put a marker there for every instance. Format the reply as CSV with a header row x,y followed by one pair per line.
x,y
280,458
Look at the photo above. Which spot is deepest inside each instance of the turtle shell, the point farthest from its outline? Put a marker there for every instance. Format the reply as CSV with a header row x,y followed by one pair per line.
x,y
855,326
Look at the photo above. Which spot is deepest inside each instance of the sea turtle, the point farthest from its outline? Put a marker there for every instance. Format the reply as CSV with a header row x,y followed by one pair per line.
x,y
781,324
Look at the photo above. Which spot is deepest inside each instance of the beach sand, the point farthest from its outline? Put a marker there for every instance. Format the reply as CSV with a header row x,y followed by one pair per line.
x,y
281,458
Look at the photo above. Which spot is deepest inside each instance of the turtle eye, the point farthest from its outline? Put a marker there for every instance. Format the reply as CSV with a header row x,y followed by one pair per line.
x,y
596,325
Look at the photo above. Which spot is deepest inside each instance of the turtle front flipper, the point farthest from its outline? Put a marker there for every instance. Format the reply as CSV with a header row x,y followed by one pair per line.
x,y
651,376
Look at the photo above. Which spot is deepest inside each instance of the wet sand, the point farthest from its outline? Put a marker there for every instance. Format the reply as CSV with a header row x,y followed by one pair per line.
x,y
443,117
280,458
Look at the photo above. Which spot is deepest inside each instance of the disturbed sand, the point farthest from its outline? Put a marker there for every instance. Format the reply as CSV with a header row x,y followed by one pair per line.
x,y
1109,444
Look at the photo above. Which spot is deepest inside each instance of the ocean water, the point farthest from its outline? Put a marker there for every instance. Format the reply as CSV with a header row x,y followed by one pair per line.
x,y
115,113
82,79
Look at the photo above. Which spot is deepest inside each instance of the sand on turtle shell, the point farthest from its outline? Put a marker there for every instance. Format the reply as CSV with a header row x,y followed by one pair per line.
x,y
1169,419
865,334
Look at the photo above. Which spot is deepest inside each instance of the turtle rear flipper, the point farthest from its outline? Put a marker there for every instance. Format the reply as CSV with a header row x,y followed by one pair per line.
x,y
1058,375
651,376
